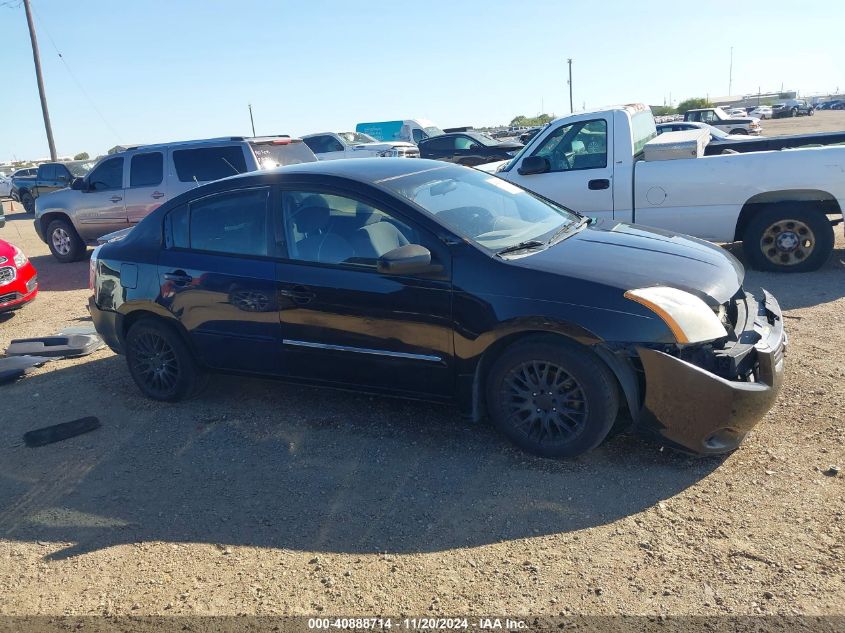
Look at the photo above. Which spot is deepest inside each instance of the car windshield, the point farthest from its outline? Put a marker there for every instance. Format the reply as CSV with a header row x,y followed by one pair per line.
x,y
433,131
356,137
485,209
80,169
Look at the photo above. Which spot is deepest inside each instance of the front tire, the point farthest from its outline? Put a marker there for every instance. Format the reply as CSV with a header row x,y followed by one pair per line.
x,y
64,242
28,202
789,239
552,398
160,362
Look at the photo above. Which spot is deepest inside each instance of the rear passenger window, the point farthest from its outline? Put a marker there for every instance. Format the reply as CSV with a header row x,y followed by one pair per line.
x,y
204,164
233,223
146,170
176,228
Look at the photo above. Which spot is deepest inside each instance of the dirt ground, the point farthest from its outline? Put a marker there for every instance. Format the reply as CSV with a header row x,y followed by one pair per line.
x,y
263,498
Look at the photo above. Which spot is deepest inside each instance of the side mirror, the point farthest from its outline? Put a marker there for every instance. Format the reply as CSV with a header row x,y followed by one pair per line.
x,y
78,184
534,165
411,259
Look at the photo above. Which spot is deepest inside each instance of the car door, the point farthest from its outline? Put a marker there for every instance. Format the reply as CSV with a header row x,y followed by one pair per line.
x,y
344,322
147,188
580,173
217,278
101,208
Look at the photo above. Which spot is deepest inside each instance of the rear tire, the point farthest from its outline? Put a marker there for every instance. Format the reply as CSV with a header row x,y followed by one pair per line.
x,y
787,238
64,241
160,362
552,398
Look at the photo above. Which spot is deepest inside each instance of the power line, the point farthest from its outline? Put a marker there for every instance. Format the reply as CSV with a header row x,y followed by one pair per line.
x,y
73,76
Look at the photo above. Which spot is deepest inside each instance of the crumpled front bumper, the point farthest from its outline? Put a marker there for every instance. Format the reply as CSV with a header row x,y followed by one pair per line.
x,y
699,411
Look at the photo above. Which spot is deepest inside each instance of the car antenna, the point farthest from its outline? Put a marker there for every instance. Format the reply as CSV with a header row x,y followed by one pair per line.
x,y
234,169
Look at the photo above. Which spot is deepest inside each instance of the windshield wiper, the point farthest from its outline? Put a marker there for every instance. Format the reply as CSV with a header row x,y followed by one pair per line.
x,y
567,228
522,246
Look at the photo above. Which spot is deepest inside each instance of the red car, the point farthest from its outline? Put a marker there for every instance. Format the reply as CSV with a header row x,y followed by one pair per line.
x,y
18,279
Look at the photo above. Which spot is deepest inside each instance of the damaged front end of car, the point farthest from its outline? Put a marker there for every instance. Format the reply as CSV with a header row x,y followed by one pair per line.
x,y
706,397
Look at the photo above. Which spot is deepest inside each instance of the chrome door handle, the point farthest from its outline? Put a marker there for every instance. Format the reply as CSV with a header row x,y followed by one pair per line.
x,y
157,195
178,277
298,294
116,198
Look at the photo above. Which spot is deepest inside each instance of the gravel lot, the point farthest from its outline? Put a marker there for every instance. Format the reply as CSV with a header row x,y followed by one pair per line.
x,y
262,498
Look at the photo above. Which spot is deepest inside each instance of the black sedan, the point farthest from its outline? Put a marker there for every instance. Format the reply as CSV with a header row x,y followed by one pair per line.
x,y
425,280
467,148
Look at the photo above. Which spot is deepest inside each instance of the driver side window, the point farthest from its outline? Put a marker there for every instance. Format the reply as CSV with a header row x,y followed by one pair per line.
x,y
108,175
581,145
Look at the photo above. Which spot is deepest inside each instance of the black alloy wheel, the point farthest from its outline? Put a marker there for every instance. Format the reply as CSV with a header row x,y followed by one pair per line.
x,y
160,362
552,398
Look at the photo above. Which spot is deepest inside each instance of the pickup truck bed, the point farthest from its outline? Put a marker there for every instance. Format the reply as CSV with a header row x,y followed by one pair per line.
x,y
771,143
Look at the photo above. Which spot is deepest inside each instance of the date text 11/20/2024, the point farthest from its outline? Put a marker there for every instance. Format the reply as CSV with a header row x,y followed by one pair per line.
x,y
417,624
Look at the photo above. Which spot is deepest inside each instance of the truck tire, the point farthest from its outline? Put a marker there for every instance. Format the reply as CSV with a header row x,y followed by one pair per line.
x,y
64,241
794,112
788,238
28,201
552,398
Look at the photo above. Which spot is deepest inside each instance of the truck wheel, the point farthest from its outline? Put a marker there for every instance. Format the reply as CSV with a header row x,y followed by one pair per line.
x,y
64,242
786,238
551,398
794,112
28,202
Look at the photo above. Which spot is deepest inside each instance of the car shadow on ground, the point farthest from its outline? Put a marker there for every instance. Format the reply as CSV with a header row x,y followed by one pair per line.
x,y
261,463
54,276
799,290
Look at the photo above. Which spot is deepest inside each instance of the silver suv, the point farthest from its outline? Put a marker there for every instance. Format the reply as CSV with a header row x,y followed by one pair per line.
x,y
121,189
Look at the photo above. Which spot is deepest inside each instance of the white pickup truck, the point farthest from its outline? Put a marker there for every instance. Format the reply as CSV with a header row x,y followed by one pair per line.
x,y
781,204
335,145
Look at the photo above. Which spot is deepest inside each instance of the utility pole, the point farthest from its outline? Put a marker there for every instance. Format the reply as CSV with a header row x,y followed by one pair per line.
x,y
251,120
731,73
571,109
36,57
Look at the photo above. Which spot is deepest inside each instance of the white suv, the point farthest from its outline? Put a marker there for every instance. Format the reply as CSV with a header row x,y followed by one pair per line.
x,y
122,189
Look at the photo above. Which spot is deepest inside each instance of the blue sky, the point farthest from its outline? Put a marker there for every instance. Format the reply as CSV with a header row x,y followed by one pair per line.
x,y
162,70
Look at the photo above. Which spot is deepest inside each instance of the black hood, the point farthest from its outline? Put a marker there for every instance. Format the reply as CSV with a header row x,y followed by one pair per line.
x,y
509,145
624,256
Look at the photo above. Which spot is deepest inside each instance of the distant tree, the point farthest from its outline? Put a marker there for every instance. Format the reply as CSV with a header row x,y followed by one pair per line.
x,y
81,156
662,110
533,121
693,104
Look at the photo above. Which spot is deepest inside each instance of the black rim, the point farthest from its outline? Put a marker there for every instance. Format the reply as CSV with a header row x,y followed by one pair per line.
x,y
155,362
544,402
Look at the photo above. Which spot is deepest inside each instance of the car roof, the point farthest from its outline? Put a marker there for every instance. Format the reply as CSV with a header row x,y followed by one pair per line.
x,y
367,170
